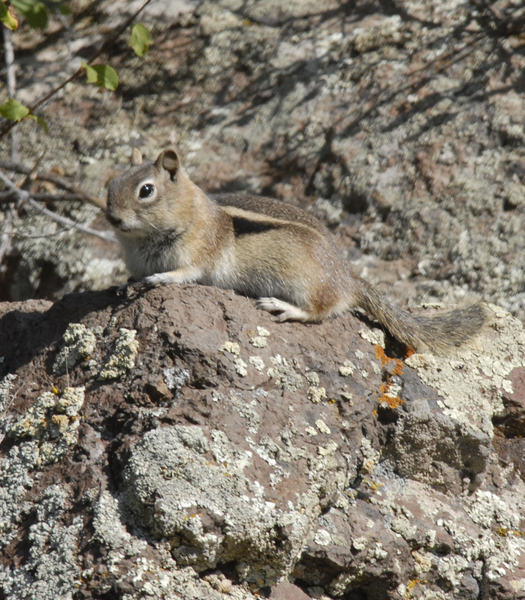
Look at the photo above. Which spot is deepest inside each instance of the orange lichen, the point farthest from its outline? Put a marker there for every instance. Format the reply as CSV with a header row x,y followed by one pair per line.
x,y
411,585
398,369
390,401
380,354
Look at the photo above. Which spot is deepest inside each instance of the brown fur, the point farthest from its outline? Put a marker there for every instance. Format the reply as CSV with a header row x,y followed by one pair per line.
x,y
171,231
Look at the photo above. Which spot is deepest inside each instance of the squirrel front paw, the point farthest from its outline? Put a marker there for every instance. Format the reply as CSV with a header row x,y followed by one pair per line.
x,y
157,278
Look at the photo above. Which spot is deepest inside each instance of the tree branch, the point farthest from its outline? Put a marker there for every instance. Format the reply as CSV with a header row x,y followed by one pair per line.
x,y
63,183
107,236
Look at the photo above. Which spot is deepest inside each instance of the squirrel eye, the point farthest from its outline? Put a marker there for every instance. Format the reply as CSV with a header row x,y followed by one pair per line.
x,y
146,191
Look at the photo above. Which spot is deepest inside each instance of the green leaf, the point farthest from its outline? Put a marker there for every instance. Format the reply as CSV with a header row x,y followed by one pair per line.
x,y
13,110
35,12
102,75
40,121
8,16
65,10
140,39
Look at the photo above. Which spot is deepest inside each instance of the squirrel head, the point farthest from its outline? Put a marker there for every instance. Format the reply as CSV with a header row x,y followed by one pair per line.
x,y
151,196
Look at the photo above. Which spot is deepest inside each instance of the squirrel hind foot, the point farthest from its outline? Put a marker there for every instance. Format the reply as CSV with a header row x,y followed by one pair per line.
x,y
288,312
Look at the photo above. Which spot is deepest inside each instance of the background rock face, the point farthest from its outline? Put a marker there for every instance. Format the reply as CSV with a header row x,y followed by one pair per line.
x,y
232,456
179,444
400,125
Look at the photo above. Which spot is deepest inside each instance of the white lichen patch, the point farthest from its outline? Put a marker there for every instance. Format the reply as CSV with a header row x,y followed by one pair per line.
x,y
347,397
259,341
370,457
347,369
6,385
359,544
34,422
78,343
240,367
374,336
330,448
231,347
263,332
176,378
51,568
284,375
316,394
313,378
123,356
257,362
54,421
323,427
247,410
393,391
110,529
487,509
322,537
472,382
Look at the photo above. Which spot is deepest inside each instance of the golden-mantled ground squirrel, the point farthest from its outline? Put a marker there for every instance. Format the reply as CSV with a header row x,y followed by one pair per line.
x,y
173,232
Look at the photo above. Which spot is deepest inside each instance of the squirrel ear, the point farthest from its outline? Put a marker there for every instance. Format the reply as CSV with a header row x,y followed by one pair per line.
x,y
136,157
168,160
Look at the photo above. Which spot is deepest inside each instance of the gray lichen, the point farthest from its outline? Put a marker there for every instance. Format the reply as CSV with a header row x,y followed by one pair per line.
x,y
123,357
208,509
78,343
54,421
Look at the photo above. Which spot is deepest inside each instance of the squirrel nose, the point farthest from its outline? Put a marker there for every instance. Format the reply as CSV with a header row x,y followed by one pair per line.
x,y
116,221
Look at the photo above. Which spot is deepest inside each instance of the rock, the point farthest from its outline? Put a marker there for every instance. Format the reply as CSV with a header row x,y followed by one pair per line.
x,y
198,481
178,443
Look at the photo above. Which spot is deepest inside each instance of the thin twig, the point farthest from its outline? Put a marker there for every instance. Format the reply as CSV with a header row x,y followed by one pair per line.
x,y
63,183
107,236
100,51
11,87
5,236
25,236
9,197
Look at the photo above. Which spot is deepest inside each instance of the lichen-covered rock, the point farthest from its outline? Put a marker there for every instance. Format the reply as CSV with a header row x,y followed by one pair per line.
x,y
404,133
53,421
78,343
122,357
201,482
192,491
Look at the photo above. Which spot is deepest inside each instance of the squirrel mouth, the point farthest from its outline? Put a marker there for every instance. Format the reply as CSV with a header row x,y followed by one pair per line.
x,y
125,227
119,223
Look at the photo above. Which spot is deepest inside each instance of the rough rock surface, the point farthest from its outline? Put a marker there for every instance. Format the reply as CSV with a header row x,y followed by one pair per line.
x,y
399,123
177,443
230,456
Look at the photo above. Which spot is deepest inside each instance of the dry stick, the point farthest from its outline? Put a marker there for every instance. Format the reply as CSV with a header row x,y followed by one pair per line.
x,y
63,183
5,236
107,236
100,51
10,197
11,87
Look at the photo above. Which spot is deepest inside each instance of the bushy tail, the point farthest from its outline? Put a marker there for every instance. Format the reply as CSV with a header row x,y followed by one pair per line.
x,y
438,333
